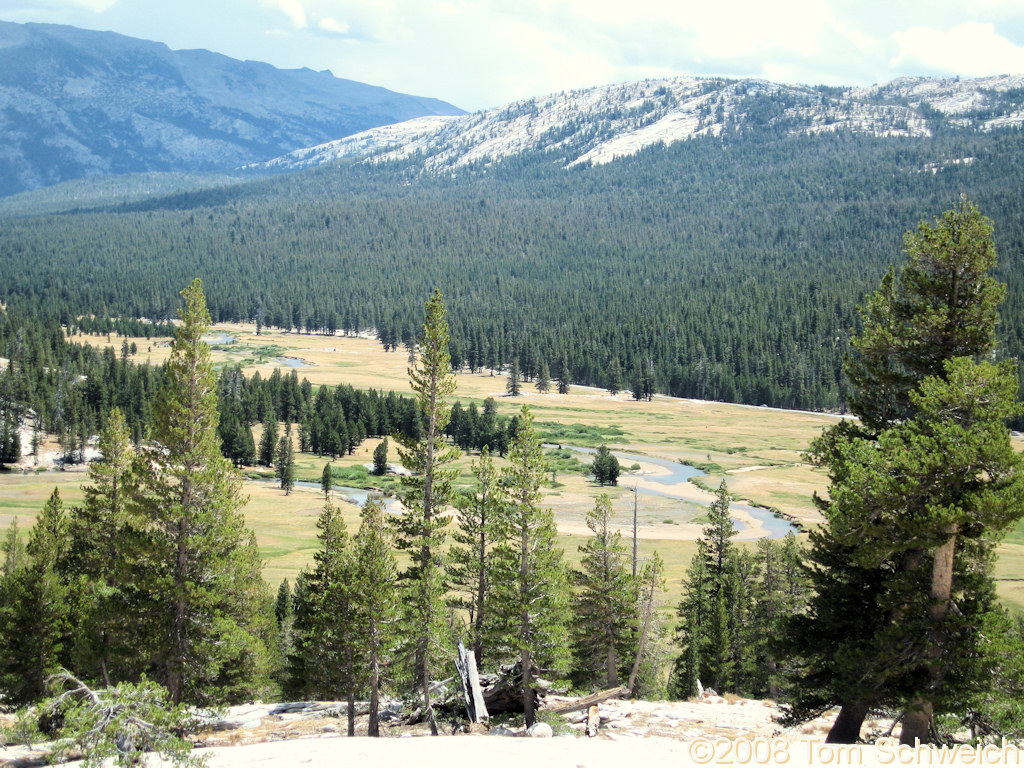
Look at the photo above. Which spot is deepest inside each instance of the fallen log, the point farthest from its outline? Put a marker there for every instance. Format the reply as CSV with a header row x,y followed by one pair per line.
x,y
562,707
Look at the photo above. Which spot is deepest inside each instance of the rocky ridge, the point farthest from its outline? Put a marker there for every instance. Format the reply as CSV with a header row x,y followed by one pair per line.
x,y
597,125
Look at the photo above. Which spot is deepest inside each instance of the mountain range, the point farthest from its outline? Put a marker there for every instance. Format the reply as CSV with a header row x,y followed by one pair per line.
x,y
597,125
77,103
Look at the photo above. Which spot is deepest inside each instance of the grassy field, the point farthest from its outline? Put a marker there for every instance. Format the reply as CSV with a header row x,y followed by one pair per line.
x,y
759,452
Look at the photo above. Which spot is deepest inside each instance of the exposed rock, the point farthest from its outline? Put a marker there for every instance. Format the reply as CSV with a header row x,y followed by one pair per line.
x,y
540,731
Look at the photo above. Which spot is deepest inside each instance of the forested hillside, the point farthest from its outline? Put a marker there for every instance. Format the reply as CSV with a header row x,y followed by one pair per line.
x,y
726,267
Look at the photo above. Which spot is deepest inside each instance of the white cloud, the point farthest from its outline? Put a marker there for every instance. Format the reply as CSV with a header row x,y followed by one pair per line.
x,y
294,11
328,24
971,49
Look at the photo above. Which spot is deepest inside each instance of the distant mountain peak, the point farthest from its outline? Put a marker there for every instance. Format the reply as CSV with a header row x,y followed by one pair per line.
x,y
598,125
77,103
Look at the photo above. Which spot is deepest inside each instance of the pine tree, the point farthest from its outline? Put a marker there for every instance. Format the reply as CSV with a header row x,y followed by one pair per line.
x,y
202,580
375,604
326,480
320,664
284,464
705,632
530,587
513,385
613,377
693,612
604,611
564,376
283,603
543,379
102,554
13,549
380,458
715,542
426,493
470,566
268,443
35,615
605,467
924,431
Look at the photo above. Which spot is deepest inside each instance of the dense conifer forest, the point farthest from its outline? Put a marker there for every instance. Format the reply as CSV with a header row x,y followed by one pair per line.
x,y
724,269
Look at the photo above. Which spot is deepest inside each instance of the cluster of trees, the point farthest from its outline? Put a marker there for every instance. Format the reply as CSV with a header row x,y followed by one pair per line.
x,y
67,389
548,267
605,467
155,575
735,603
332,422
53,386
503,573
473,429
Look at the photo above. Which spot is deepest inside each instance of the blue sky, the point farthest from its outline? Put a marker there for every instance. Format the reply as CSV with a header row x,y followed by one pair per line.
x,y
485,53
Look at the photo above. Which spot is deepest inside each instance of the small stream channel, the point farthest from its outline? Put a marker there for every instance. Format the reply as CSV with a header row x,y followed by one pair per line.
x,y
777,527
677,473
346,493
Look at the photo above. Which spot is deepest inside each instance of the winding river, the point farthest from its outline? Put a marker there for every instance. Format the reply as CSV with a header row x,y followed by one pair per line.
x,y
676,474
679,474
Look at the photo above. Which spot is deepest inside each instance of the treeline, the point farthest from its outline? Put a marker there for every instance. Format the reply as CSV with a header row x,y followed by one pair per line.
x,y
333,422
716,268
69,389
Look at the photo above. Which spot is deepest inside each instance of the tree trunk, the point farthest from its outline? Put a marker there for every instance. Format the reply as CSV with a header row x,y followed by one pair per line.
x,y
917,719
465,662
846,729
917,722
428,707
351,712
373,727
527,689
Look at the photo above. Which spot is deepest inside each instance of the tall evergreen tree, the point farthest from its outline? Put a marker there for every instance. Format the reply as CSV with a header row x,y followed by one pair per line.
x,y
202,578
284,464
426,494
35,618
605,467
470,562
268,442
323,662
563,375
375,604
380,458
530,589
716,540
326,480
514,382
930,432
543,378
102,553
613,377
605,608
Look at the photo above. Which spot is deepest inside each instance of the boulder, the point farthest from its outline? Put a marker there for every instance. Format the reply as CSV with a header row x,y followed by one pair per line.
x,y
540,731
